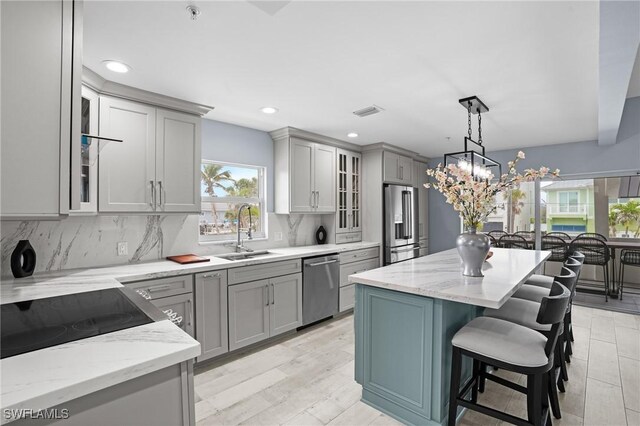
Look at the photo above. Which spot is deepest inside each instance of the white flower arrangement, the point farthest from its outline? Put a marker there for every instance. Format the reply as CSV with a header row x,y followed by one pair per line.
x,y
474,197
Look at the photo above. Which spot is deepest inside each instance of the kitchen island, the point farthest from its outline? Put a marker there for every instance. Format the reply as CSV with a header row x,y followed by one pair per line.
x,y
405,317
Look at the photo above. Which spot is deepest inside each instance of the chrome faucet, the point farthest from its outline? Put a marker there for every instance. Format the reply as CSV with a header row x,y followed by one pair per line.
x,y
240,246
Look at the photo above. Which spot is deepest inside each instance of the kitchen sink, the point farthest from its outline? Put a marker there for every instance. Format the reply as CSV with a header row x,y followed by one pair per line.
x,y
244,255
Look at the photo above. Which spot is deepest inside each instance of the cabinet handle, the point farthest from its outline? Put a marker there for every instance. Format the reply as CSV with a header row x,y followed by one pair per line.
x,y
153,194
189,312
216,275
317,198
312,199
273,295
162,287
266,291
160,191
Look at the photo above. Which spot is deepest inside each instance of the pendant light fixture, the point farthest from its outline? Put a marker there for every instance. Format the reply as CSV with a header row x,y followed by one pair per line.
x,y
474,160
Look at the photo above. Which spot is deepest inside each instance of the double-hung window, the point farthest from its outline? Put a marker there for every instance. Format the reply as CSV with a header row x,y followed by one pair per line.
x,y
568,201
225,187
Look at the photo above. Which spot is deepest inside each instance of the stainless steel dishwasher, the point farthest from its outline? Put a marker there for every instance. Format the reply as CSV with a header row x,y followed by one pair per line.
x,y
320,287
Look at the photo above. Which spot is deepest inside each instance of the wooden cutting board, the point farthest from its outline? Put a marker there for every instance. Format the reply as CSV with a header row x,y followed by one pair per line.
x,y
184,259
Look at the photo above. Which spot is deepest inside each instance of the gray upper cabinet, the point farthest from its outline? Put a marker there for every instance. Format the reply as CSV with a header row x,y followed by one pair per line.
x,y
423,199
349,200
286,303
305,179
177,162
127,169
398,169
157,166
37,54
211,313
248,313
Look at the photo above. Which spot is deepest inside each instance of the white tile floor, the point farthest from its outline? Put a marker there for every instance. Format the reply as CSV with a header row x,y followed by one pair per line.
x,y
307,379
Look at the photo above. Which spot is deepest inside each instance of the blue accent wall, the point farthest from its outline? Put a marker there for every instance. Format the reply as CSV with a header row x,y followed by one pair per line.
x,y
242,145
579,158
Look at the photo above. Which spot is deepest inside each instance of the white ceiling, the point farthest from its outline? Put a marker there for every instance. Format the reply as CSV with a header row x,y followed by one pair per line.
x,y
535,64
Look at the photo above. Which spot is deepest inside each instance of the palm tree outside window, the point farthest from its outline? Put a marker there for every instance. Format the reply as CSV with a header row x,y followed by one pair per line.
x,y
225,187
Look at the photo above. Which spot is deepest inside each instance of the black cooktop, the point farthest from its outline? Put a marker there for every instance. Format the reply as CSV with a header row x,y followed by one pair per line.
x,y
41,323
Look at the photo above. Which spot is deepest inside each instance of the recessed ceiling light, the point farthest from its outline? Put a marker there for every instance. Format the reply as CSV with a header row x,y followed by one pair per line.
x,y
269,110
116,66
352,135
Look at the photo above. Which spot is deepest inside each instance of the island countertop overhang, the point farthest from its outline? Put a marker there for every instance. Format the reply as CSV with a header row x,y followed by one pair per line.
x,y
440,276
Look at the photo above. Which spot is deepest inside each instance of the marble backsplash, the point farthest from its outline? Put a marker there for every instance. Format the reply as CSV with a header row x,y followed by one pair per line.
x,y
91,241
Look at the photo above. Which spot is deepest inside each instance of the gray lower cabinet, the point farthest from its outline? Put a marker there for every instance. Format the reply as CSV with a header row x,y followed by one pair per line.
x,y
171,293
354,262
347,297
163,398
248,313
211,314
182,305
286,303
264,308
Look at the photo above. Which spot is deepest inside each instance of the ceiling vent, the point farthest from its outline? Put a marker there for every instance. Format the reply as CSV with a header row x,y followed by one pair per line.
x,y
373,109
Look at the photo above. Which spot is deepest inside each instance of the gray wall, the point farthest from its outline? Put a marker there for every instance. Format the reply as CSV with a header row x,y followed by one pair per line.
x,y
241,145
580,158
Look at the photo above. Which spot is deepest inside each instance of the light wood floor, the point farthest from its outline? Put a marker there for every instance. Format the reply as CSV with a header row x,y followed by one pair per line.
x,y
308,380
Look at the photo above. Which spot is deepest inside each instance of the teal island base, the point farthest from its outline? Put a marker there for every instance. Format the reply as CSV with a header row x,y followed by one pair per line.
x,y
403,352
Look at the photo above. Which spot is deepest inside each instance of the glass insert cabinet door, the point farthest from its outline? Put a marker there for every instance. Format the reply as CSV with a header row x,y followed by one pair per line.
x,y
88,151
348,216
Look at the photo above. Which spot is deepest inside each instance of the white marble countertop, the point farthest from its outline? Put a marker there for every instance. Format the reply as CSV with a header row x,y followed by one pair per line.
x,y
440,276
51,376
54,375
78,280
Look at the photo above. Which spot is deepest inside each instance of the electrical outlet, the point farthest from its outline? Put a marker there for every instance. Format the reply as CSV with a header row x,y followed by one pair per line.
x,y
277,236
123,248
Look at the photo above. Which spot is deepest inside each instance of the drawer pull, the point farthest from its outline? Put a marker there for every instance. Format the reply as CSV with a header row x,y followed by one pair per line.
x,y
216,275
157,288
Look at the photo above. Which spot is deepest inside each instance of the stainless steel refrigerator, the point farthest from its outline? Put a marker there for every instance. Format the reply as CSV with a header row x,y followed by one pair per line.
x,y
401,240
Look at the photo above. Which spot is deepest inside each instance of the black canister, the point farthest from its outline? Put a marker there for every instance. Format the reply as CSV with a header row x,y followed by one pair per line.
x,y
23,259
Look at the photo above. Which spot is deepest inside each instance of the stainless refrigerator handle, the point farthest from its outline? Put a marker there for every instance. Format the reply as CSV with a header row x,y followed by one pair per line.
x,y
406,215
410,215
405,249
323,263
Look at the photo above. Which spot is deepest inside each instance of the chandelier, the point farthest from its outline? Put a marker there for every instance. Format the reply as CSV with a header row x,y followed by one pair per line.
x,y
474,160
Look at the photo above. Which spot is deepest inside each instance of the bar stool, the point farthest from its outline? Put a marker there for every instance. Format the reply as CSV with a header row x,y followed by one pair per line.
x,y
628,257
524,312
512,347
545,280
535,292
597,253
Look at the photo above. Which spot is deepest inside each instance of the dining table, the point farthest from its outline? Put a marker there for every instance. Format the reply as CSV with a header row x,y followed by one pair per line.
x,y
613,245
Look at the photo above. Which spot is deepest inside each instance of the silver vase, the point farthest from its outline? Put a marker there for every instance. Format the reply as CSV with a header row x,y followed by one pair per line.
x,y
472,248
